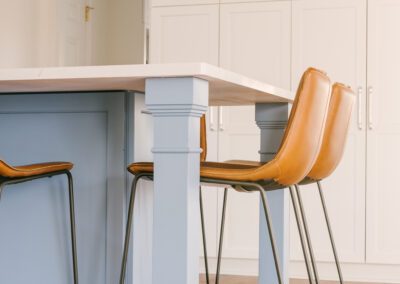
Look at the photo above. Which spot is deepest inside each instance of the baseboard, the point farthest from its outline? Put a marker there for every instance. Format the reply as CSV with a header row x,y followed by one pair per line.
x,y
353,272
232,266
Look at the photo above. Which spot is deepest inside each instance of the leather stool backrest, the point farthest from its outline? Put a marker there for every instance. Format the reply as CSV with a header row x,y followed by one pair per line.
x,y
303,136
335,134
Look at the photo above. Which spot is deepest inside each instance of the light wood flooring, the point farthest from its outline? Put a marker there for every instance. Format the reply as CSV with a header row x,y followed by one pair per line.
x,y
228,279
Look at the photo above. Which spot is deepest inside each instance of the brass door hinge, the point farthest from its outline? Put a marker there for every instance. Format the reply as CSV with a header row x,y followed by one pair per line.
x,y
87,12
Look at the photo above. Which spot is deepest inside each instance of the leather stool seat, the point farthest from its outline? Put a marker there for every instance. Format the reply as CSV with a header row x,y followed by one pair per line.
x,y
231,171
10,175
31,170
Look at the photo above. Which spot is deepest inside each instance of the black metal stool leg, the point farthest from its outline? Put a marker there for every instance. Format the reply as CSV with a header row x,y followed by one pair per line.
x,y
271,233
303,215
300,229
221,236
328,224
73,228
203,231
128,229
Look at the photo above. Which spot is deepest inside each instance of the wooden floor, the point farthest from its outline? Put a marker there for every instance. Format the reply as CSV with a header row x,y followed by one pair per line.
x,y
225,279
228,279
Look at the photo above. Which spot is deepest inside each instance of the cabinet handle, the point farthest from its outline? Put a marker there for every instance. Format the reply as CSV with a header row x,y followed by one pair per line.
x,y
370,93
212,128
359,102
220,119
145,111
147,47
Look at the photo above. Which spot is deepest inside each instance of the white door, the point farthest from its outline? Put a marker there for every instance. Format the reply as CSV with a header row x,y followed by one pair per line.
x,y
383,135
331,35
73,33
255,41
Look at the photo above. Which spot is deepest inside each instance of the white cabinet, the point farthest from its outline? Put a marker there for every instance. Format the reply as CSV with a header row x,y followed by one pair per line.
x,y
383,135
184,34
254,41
357,42
331,35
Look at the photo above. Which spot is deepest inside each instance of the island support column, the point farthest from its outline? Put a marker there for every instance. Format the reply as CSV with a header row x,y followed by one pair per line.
x,y
272,120
176,104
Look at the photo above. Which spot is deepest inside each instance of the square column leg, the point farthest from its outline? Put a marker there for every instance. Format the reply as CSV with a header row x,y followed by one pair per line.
x,y
176,104
272,120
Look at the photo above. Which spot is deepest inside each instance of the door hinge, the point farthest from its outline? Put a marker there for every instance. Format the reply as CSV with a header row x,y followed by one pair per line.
x,y
88,9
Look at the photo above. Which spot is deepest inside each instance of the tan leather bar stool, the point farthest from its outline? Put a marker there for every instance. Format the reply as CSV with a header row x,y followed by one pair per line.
x,y
332,148
295,158
149,175
13,175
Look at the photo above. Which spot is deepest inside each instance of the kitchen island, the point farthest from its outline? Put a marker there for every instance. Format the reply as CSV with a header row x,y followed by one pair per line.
x,y
92,117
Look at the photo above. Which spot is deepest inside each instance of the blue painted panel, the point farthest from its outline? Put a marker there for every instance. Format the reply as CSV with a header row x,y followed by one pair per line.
x,y
88,130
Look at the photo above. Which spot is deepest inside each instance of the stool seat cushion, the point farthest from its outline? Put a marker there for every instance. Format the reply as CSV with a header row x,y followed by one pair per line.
x,y
8,171
224,171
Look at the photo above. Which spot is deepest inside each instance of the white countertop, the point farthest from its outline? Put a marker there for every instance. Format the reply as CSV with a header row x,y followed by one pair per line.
x,y
226,88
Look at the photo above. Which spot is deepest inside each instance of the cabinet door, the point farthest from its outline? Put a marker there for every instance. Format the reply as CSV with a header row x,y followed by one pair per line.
x,y
383,135
184,34
255,41
331,35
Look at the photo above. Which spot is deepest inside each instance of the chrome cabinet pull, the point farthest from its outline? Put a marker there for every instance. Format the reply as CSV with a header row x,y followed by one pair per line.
x,y
212,125
359,113
370,93
220,119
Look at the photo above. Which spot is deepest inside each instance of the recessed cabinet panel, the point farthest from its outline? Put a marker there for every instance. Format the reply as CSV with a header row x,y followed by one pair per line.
x,y
239,139
184,34
255,41
383,224
88,130
331,35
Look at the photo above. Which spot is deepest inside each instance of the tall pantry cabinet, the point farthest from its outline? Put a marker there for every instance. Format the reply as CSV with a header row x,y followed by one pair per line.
x,y
383,133
261,31
356,42
331,35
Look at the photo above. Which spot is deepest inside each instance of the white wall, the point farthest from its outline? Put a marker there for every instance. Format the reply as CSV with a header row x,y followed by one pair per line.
x,y
117,32
29,32
20,33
